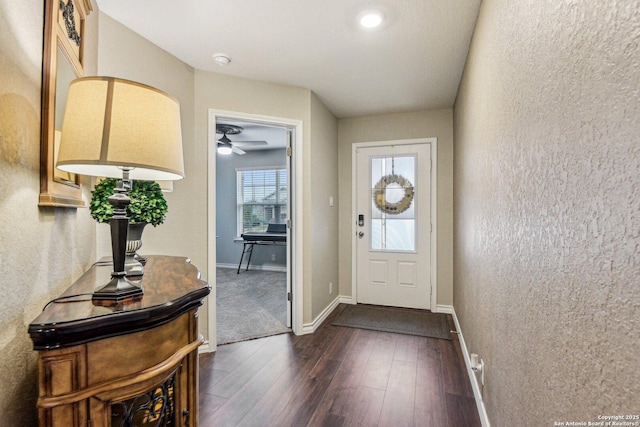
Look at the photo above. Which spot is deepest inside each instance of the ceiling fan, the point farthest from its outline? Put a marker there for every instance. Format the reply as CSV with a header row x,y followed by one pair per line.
x,y
226,146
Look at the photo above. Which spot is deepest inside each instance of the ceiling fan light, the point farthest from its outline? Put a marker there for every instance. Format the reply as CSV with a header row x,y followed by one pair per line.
x,y
224,150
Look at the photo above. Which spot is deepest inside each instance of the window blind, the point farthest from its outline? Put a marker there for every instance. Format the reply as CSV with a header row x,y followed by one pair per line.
x,y
262,199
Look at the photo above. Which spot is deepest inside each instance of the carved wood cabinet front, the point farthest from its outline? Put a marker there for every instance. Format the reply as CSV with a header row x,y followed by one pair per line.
x,y
129,365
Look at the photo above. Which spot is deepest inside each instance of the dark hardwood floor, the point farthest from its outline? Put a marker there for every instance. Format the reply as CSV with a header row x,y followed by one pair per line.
x,y
337,377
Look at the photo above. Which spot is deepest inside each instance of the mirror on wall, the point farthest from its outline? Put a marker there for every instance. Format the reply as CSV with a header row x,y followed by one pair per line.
x,y
62,62
65,74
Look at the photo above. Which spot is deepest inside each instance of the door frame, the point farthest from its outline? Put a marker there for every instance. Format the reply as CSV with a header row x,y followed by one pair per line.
x,y
433,146
295,206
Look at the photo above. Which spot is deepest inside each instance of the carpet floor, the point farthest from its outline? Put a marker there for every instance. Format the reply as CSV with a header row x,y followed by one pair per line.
x,y
399,320
250,305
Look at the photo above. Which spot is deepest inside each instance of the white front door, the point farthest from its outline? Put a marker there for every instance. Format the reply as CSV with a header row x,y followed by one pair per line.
x,y
393,225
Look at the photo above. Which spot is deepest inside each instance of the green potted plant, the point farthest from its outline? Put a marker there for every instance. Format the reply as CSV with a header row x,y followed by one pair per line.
x,y
148,206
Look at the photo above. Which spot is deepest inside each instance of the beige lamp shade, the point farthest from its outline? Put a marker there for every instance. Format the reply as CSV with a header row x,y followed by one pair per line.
x,y
110,124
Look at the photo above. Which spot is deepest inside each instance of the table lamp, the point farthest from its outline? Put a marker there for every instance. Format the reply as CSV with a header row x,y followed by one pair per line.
x,y
120,129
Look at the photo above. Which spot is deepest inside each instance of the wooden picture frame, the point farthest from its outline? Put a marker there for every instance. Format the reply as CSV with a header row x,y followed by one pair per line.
x,y
62,62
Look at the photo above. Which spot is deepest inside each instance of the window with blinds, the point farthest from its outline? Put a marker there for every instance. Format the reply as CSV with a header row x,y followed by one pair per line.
x,y
262,199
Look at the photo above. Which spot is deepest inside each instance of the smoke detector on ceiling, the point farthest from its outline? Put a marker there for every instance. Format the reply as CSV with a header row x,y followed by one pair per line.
x,y
221,59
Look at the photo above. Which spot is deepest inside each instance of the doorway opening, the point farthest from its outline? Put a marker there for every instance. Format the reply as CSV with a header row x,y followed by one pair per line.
x,y
252,189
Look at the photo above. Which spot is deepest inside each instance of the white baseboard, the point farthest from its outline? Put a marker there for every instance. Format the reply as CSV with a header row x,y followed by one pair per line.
x,y
482,411
447,309
347,300
309,328
264,267
205,348
221,265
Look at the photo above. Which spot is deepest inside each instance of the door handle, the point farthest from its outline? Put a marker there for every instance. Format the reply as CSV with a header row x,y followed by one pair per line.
x,y
360,234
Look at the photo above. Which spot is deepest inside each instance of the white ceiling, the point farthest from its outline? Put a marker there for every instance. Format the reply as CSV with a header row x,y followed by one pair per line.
x,y
413,62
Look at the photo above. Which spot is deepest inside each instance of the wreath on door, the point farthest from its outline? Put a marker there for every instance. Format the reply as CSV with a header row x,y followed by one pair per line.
x,y
389,183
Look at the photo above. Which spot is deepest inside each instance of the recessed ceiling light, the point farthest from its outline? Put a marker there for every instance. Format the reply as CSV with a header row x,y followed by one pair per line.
x,y
221,59
371,18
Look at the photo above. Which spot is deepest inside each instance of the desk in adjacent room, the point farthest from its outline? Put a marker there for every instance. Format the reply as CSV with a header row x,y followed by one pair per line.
x,y
276,234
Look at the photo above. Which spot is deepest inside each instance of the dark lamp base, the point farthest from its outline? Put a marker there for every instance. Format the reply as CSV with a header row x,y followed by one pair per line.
x,y
117,290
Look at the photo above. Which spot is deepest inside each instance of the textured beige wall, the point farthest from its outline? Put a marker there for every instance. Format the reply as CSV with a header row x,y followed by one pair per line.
x,y
42,250
547,209
422,124
324,218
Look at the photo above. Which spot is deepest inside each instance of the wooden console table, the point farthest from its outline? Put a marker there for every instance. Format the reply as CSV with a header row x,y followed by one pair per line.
x,y
132,364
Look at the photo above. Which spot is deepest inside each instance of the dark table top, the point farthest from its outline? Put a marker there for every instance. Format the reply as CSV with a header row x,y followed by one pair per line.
x,y
171,287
